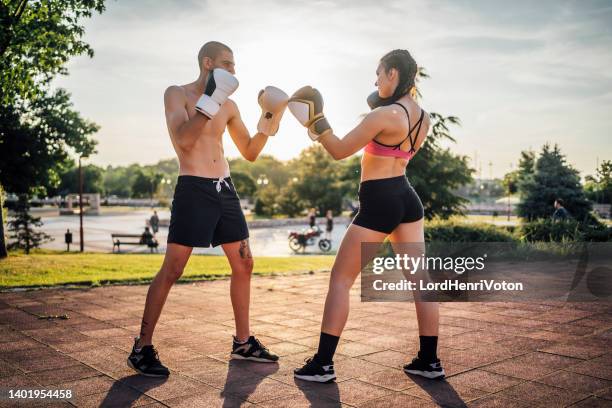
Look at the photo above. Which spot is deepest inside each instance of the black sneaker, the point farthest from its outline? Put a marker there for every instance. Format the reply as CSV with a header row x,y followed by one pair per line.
x,y
428,370
252,350
314,371
146,362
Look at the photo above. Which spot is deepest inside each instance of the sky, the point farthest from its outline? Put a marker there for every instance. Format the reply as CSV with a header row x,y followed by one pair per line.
x,y
518,74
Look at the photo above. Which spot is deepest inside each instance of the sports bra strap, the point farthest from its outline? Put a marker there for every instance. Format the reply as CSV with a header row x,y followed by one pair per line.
x,y
410,129
419,122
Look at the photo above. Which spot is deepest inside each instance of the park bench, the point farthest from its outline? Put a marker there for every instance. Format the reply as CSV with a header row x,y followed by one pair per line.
x,y
132,239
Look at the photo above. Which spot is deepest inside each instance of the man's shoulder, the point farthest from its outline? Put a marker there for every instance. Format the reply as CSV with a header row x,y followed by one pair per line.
x,y
175,90
232,108
175,97
232,104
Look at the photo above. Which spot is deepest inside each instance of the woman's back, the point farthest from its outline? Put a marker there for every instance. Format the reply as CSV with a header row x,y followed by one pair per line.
x,y
389,153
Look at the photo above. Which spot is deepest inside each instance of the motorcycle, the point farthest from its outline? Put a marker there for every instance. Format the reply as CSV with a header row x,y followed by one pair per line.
x,y
298,241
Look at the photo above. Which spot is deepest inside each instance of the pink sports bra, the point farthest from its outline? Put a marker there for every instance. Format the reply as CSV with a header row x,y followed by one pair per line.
x,y
376,148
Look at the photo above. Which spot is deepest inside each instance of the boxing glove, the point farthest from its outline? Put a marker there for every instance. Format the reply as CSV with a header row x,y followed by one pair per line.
x,y
306,104
219,86
375,101
273,102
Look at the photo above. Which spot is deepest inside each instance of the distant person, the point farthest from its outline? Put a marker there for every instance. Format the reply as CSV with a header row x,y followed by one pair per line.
x,y
560,213
146,237
312,217
329,217
154,221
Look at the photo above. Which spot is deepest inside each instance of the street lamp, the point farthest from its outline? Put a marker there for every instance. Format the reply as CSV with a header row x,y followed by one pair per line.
x,y
508,192
167,181
81,243
262,179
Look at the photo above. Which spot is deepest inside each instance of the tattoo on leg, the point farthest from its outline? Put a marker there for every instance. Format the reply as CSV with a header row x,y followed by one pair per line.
x,y
143,327
244,250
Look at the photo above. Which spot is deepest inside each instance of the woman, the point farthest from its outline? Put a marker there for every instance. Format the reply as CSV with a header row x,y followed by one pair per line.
x,y
312,217
388,205
329,225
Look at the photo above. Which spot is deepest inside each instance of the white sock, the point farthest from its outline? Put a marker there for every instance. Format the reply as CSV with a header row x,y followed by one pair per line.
x,y
137,349
238,341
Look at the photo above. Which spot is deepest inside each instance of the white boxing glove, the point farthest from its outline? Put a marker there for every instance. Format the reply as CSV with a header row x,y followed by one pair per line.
x,y
219,86
273,102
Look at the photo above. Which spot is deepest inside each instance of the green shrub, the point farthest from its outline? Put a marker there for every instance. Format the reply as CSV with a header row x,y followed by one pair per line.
x,y
597,233
454,231
547,230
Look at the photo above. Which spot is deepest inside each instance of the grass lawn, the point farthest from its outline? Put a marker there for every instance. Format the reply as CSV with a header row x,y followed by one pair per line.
x,y
48,268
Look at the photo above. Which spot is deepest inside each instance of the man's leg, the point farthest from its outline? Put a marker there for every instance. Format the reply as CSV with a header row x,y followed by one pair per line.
x,y
143,358
241,261
174,262
245,346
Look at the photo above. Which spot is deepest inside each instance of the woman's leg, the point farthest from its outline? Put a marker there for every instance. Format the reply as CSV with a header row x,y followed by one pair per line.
x,y
413,233
344,272
346,267
408,238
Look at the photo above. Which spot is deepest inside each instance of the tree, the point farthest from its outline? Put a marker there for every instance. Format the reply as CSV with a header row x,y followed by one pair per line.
x,y
435,173
146,184
169,167
510,182
552,178
599,187
526,169
3,253
38,126
93,181
513,180
245,185
265,200
117,182
349,174
34,144
21,228
289,202
277,172
37,38
316,180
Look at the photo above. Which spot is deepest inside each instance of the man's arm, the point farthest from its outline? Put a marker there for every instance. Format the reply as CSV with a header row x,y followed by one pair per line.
x,y
249,147
183,130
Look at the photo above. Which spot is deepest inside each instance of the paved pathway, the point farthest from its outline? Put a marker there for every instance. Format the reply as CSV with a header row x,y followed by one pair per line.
x,y
496,354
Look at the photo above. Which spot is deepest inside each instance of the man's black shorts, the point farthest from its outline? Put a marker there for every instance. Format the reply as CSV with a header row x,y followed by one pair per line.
x,y
206,211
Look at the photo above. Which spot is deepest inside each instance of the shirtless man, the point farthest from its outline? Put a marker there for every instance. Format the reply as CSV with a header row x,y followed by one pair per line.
x,y
206,209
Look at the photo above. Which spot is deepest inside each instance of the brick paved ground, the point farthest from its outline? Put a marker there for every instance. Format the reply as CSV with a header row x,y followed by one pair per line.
x,y
496,354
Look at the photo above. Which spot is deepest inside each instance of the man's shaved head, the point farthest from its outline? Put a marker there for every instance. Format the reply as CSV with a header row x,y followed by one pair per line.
x,y
211,49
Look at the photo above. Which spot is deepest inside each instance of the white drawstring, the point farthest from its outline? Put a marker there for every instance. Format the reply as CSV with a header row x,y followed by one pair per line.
x,y
218,184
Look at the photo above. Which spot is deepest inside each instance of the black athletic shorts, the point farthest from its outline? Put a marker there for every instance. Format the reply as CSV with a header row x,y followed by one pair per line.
x,y
206,211
386,203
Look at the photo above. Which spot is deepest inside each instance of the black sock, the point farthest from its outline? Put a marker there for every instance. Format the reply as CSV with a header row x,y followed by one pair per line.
x,y
429,345
327,348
